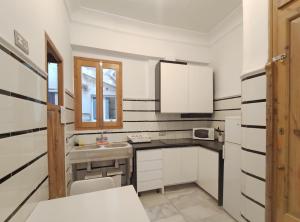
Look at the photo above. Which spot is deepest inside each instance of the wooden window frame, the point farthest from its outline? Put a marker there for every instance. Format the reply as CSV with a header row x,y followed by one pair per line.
x,y
99,64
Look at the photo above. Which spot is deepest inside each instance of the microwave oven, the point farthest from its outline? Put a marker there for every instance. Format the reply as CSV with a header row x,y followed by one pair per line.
x,y
204,133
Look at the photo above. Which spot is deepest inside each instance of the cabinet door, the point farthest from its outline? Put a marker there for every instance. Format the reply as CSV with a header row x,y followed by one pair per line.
x,y
200,89
173,88
208,171
189,164
171,166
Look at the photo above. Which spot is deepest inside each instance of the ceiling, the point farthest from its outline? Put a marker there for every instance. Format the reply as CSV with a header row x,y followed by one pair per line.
x,y
196,15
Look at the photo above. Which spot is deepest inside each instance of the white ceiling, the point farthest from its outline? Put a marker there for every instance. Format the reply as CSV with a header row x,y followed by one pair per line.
x,y
196,15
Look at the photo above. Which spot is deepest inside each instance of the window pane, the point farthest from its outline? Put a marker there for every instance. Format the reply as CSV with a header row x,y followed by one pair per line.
x,y
53,83
88,86
109,95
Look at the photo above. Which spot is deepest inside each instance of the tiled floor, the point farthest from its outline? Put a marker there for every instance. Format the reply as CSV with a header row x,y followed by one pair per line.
x,y
184,203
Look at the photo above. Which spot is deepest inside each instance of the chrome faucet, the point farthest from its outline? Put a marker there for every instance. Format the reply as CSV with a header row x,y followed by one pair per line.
x,y
102,139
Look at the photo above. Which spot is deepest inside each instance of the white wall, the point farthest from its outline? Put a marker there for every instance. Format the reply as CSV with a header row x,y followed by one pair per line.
x,y
21,191
226,54
104,31
255,50
255,29
32,18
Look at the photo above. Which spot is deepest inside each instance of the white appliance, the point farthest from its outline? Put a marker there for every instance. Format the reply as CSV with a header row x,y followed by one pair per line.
x,y
139,138
232,167
204,133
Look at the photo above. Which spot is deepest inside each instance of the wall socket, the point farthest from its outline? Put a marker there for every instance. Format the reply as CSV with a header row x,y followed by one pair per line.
x,y
162,133
21,42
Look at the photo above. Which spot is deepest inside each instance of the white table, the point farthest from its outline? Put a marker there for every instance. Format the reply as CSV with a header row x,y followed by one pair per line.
x,y
113,205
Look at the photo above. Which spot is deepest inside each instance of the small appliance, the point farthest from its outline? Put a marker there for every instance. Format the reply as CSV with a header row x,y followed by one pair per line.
x,y
139,138
204,133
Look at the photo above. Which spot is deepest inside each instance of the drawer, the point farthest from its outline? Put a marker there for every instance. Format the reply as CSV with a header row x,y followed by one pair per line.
x,y
149,165
149,175
149,185
147,155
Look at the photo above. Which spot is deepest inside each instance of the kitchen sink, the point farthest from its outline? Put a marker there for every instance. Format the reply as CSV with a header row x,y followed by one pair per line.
x,y
93,152
116,145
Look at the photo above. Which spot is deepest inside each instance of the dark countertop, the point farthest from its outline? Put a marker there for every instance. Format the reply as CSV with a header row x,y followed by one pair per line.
x,y
170,143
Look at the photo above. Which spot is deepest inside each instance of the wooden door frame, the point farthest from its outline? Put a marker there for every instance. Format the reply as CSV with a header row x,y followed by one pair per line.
x,y
55,189
271,158
49,46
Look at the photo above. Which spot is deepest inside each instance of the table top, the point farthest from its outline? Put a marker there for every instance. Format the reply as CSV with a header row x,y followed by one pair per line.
x,y
114,205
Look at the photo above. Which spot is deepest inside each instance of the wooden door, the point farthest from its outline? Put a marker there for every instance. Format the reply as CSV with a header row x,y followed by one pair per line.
x,y
56,135
284,106
56,153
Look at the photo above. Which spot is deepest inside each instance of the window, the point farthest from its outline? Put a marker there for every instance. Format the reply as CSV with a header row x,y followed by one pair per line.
x,y
98,88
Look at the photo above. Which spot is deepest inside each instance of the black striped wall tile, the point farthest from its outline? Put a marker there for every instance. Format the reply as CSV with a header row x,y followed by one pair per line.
x,y
252,200
253,151
254,76
22,61
253,176
18,133
25,200
21,168
19,96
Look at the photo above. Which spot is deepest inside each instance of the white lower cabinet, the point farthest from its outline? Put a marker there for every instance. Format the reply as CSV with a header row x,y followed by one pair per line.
x,y
180,165
170,166
208,171
149,170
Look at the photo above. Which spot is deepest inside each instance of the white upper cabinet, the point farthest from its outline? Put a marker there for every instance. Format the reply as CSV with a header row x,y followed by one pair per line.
x,y
173,88
185,88
200,89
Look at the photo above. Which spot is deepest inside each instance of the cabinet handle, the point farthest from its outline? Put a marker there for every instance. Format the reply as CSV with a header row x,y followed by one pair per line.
x,y
223,153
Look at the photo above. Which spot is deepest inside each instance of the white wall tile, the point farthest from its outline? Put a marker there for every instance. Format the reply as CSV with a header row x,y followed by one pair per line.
x,y
254,89
18,114
254,139
254,188
254,114
16,77
17,188
19,150
40,195
220,115
69,101
139,105
70,116
254,163
227,104
252,211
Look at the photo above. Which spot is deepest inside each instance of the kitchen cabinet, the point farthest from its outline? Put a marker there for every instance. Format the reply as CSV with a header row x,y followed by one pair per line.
x,y
173,88
180,165
208,171
185,88
200,89
149,170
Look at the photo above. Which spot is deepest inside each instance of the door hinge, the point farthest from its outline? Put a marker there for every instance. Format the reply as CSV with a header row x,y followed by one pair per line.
x,y
280,58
